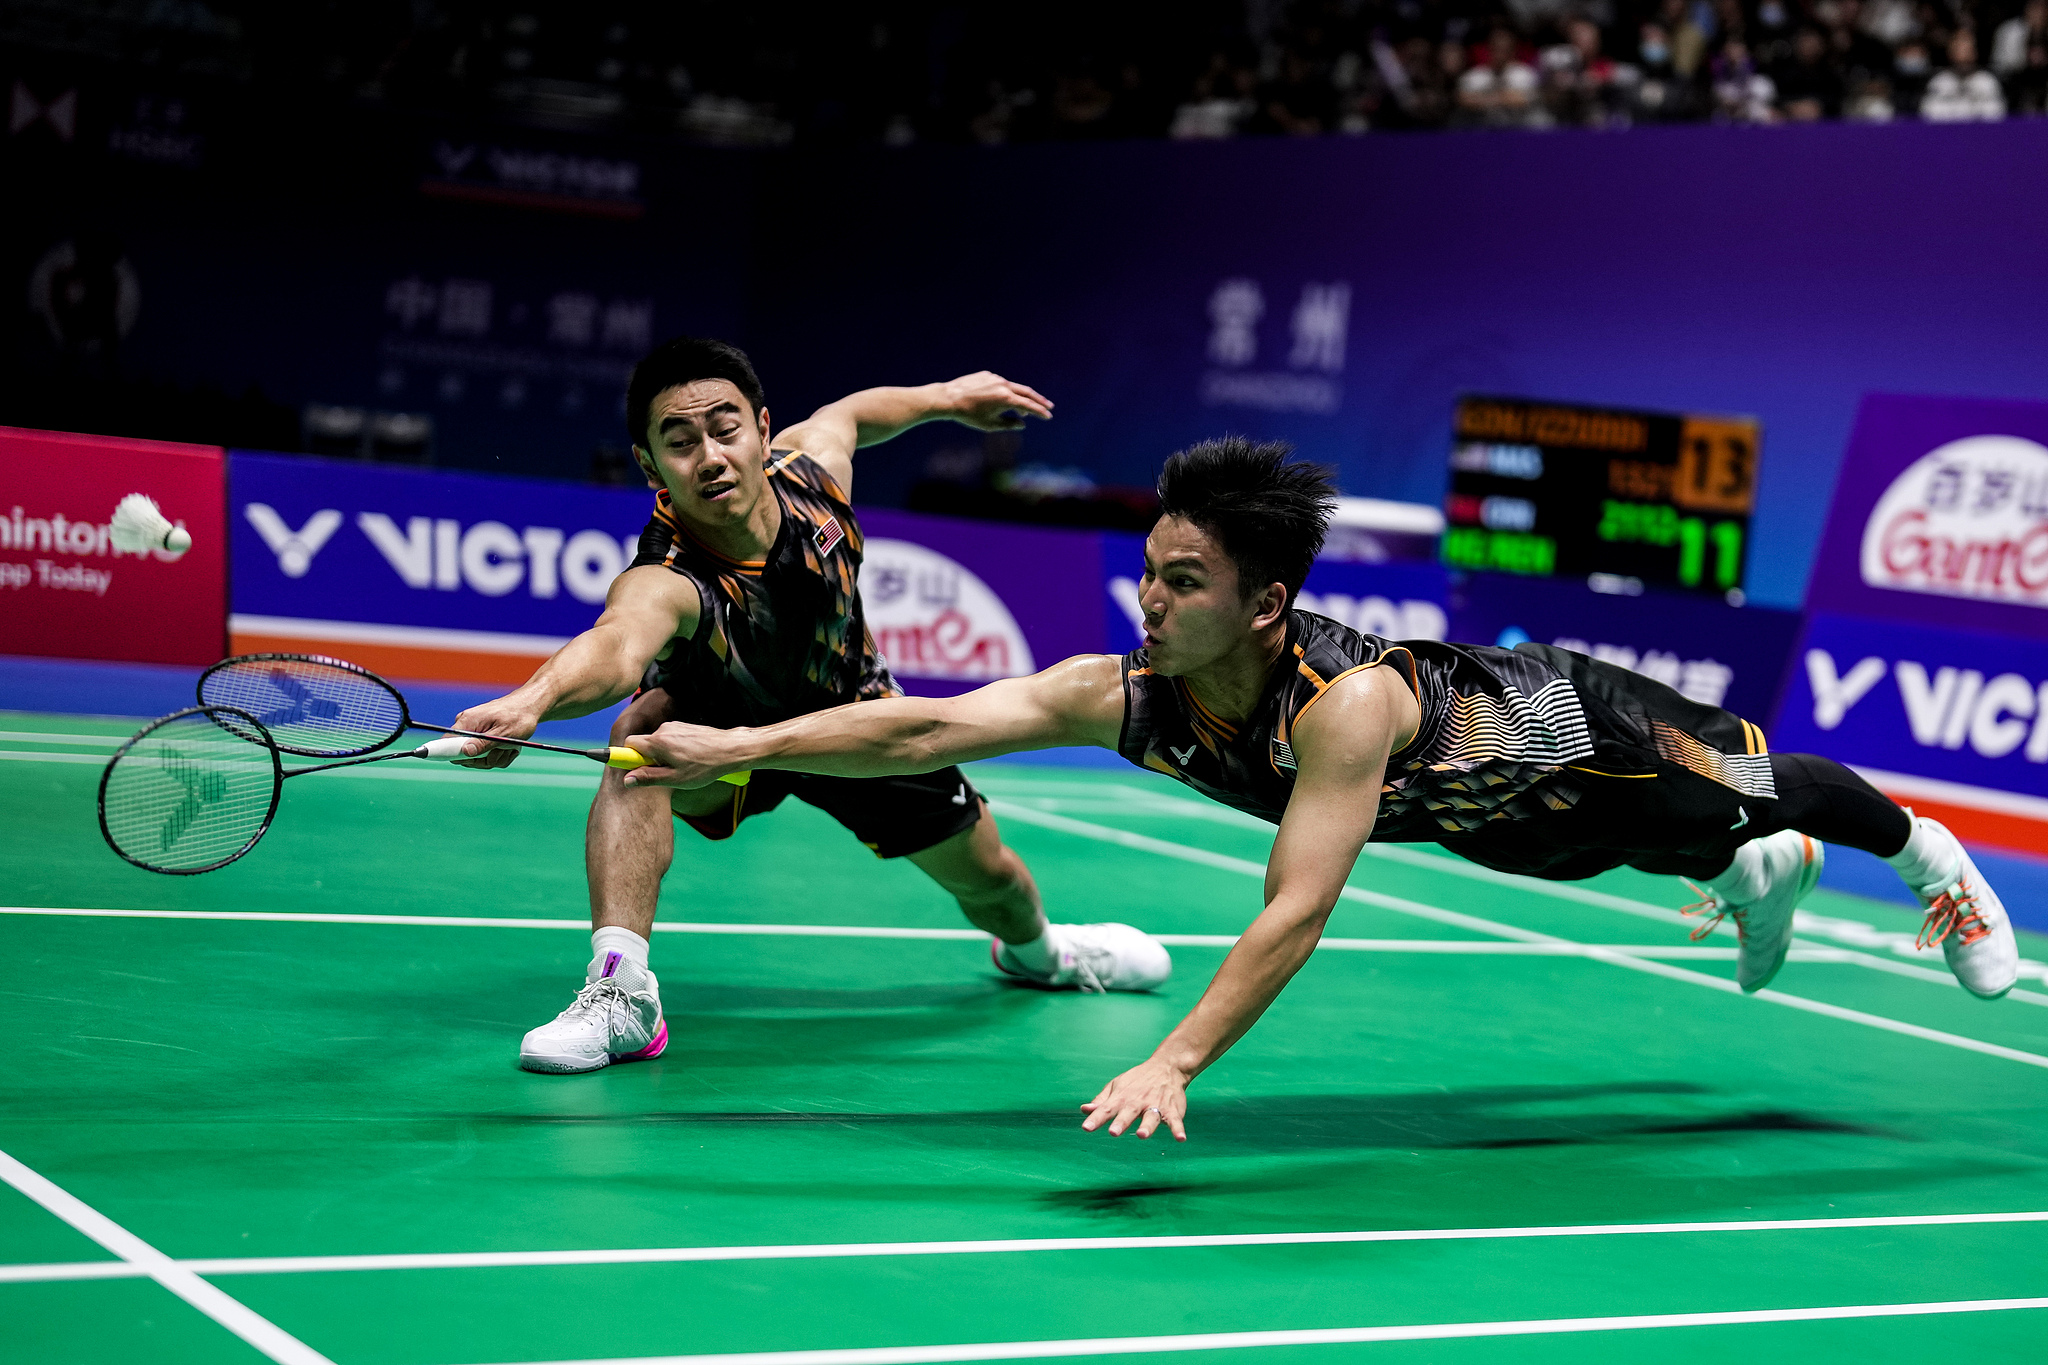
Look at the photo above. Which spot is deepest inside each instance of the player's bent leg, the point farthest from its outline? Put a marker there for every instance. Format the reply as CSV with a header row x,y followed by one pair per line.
x,y
996,893
628,844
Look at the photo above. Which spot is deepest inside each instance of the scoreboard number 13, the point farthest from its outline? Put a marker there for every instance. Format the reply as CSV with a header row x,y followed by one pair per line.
x,y
1716,465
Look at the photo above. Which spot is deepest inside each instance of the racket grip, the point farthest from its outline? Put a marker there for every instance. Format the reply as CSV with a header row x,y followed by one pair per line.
x,y
448,748
622,757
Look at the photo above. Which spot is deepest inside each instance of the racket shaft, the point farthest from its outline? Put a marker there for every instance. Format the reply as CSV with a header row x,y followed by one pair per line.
x,y
622,757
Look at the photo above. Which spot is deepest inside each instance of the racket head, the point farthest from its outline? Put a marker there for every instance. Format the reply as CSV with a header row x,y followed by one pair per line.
x,y
307,704
190,792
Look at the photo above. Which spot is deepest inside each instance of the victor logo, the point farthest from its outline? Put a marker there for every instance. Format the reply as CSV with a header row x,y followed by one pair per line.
x,y
294,549
1181,756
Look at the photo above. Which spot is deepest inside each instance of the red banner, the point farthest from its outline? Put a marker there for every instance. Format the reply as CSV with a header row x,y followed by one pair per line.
x,y
66,592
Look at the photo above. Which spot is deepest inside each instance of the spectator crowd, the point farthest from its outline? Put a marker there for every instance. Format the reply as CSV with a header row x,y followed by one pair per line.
x,y
897,72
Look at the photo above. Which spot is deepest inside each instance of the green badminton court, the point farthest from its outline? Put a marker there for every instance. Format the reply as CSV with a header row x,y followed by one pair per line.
x,y
274,1112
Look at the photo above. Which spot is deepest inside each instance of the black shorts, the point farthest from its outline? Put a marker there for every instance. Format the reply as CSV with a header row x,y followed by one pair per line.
x,y
893,816
1672,786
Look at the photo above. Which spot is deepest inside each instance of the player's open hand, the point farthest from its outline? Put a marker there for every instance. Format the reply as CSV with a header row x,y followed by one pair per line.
x,y
681,755
498,717
989,402
1151,1093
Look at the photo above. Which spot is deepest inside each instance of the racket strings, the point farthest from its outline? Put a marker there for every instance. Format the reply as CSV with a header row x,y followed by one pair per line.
x,y
310,707
188,793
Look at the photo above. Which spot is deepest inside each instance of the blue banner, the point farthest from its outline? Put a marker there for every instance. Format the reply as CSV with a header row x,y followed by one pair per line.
x,y
1948,705
1720,655
323,541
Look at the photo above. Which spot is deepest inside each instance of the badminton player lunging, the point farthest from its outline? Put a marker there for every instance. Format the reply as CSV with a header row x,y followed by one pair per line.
x,y
1533,760
743,608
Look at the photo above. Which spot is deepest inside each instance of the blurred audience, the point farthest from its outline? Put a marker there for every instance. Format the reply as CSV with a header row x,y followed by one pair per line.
x,y
1001,71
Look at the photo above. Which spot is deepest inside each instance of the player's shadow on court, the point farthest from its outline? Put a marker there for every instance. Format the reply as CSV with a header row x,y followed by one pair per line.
x,y
1479,1118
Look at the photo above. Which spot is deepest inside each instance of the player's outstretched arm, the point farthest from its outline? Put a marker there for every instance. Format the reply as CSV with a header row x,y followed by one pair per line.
x,y
1342,744
645,609
1077,701
985,401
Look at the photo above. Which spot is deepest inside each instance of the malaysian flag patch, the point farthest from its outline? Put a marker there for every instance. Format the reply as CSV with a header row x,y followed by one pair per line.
x,y
1283,755
828,536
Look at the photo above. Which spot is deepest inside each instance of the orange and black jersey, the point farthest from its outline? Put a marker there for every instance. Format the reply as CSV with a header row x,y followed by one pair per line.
x,y
1506,735
780,636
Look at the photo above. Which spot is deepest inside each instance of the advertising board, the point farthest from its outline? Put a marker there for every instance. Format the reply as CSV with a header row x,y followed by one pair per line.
x,y
454,577
468,578
1720,655
1940,516
66,592
1953,723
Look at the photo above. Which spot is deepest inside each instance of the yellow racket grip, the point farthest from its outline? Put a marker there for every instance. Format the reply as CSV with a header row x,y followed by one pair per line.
x,y
622,757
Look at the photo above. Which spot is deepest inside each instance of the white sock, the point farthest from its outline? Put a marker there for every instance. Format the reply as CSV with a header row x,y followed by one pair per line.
x,y
1745,879
1931,860
1041,954
622,954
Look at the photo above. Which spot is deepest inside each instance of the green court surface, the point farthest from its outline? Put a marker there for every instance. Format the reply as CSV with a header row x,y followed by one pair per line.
x,y
274,1111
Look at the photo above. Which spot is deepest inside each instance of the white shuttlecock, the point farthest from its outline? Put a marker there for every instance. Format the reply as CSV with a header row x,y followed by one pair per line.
x,y
138,526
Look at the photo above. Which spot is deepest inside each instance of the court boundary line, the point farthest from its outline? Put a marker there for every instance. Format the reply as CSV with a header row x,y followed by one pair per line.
x,y
1315,1336
1453,947
215,1303
800,1251
1459,919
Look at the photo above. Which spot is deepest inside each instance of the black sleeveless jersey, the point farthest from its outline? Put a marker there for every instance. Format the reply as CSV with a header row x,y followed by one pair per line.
x,y
777,637
1503,732
1497,730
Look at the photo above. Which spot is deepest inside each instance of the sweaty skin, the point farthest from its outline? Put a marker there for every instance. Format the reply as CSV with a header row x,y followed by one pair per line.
x,y
1199,626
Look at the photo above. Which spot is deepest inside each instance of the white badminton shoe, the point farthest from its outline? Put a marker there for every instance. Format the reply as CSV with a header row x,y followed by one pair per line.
x,y
1788,865
1964,915
1094,958
610,1020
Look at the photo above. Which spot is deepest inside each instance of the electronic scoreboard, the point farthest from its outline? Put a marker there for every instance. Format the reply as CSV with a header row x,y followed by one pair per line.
x,y
1617,497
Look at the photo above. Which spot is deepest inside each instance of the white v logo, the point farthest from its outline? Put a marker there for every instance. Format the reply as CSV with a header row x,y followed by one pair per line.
x,y
294,549
1181,756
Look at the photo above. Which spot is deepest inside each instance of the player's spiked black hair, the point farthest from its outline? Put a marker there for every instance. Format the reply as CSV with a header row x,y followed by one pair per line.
x,y
682,360
1270,512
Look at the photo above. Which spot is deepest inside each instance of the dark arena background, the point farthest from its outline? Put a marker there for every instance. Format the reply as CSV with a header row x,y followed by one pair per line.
x,y
1703,337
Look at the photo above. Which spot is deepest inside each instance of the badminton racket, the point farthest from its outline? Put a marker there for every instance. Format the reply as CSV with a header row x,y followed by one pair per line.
x,y
195,791
326,708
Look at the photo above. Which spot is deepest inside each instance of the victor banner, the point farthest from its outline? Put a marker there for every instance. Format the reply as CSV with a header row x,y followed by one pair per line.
x,y
1953,723
469,578
67,592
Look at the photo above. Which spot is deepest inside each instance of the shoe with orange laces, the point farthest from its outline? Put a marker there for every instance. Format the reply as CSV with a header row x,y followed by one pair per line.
x,y
1965,916
1785,865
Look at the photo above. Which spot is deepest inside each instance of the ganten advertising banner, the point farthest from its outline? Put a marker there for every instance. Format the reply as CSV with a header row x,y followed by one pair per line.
x,y
66,592
1941,516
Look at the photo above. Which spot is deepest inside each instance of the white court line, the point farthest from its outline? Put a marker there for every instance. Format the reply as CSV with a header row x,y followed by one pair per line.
x,y
49,737
261,1333
1481,947
496,1260
1315,1336
1185,853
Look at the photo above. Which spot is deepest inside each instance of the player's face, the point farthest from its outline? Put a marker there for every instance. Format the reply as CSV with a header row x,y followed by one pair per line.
x,y
708,447
1194,614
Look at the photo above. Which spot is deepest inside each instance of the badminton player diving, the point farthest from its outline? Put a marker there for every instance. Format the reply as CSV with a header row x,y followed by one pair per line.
x,y
1533,760
743,608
